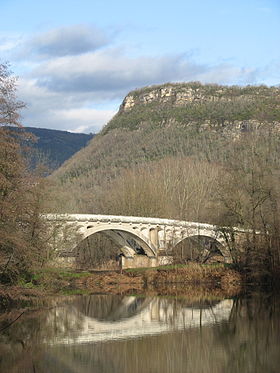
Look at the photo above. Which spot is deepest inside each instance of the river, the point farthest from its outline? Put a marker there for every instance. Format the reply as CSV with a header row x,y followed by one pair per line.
x,y
144,334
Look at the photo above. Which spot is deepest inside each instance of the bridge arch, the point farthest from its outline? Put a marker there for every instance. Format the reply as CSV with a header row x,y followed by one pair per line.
x,y
212,238
122,235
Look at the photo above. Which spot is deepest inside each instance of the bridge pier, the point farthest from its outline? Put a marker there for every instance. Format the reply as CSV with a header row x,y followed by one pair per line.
x,y
153,236
140,261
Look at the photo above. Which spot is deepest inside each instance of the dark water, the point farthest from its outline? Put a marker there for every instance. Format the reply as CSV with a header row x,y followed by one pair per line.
x,y
131,334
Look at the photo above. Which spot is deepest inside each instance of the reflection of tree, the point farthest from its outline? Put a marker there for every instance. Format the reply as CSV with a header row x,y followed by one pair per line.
x,y
17,352
251,340
21,344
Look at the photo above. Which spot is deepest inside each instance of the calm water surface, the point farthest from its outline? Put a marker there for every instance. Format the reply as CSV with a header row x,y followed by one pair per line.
x,y
131,334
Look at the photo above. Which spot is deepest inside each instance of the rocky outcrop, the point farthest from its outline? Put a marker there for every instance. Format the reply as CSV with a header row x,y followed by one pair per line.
x,y
186,93
230,110
163,95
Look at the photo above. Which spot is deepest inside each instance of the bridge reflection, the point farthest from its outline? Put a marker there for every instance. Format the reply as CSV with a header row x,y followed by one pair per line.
x,y
100,318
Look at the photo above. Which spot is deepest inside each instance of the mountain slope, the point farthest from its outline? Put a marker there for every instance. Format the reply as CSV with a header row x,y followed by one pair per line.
x,y
54,146
189,120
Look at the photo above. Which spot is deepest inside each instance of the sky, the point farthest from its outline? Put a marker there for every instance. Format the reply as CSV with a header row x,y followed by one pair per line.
x,y
77,60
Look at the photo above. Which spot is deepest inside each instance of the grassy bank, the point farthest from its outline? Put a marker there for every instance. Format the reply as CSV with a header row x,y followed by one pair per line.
x,y
42,284
217,279
215,276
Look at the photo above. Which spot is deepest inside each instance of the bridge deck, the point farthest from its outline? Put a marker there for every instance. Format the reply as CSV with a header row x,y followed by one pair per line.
x,y
137,220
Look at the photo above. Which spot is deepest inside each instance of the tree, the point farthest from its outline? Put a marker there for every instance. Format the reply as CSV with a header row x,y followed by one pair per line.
x,y
249,192
9,104
20,243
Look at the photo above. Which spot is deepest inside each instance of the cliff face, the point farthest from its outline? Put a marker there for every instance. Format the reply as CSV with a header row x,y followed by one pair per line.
x,y
170,95
231,110
184,94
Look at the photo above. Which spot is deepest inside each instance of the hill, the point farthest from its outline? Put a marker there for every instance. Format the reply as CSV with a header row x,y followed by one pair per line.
x,y
54,147
186,120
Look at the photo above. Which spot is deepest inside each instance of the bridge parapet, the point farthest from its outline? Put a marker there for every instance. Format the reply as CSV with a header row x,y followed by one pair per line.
x,y
126,219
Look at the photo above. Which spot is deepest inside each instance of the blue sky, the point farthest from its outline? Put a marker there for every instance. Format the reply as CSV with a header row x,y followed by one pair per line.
x,y
76,60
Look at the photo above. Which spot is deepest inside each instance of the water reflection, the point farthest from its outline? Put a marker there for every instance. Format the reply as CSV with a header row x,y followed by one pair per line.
x,y
107,333
130,317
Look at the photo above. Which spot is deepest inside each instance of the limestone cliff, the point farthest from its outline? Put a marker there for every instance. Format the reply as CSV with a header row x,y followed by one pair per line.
x,y
231,110
182,94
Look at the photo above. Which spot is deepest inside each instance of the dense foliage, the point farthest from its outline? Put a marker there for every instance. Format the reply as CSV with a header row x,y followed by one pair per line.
x,y
22,246
52,147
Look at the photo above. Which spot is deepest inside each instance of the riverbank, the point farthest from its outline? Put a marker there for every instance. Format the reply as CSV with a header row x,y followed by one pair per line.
x,y
208,276
216,279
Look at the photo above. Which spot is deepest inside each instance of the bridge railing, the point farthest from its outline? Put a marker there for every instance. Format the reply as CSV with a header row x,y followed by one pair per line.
x,y
139,220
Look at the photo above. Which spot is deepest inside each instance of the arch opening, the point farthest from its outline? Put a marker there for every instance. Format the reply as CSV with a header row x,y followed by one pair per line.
x,y
199,248
104,248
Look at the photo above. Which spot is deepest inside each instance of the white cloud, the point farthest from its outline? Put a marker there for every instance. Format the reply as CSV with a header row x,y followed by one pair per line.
x,y
111,71
83,120
8,44
73,76
71,40
48,109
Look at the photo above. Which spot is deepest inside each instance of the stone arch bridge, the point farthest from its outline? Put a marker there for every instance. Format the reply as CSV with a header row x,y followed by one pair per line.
x,y
152,238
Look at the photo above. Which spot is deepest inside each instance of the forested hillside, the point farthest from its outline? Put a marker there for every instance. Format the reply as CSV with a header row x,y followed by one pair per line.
x,y
53,147
203,122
